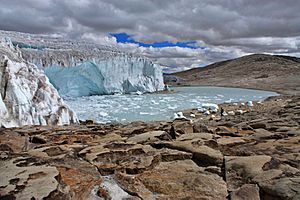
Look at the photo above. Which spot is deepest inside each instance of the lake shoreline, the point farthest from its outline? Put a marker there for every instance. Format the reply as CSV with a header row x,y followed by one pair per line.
x,y
93,159
149,107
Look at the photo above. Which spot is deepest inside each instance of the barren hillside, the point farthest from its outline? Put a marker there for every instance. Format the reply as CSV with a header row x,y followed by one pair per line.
x,y
259,71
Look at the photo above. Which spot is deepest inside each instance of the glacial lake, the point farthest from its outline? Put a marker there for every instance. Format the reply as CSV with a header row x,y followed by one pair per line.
x,y
152,107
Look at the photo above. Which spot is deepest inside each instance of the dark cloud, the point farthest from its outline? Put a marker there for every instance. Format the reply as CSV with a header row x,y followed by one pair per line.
x,y
227,28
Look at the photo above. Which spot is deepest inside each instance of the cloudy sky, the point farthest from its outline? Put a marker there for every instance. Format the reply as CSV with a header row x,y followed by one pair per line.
x,y
179,34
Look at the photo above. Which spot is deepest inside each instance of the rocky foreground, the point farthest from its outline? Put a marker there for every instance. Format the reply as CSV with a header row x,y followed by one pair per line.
x,y
253,155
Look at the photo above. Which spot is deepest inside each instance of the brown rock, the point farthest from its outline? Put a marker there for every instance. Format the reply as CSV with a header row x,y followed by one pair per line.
x,y
23,177
203,154
225,131
183,127
247,191
121,156
284,188
197,135
239,169
259,125
230,141
200,128
184,177
151,136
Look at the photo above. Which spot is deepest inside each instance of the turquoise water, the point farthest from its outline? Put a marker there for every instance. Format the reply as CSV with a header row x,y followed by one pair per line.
x,y
151,107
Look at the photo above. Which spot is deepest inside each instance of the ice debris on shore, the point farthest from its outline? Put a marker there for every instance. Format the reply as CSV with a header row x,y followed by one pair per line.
x,y
250,103
179,115
208,108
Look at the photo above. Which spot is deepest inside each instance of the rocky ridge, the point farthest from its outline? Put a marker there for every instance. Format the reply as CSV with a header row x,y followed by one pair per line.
x,y
251,155
256,71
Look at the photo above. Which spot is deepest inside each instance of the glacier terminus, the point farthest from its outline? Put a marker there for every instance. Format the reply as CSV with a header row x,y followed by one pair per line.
x,y
79,68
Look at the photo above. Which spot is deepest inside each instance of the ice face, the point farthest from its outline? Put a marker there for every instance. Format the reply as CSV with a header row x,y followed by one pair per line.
x,y
27,97
78,68
120,74
81,80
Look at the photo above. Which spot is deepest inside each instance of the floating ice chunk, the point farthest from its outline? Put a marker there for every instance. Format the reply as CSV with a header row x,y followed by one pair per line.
x,y
192,115
235,104
103,114
175,116
231,112
242,104
172,107
229,100
211,106
250,103
144,113
214,110
224,113
179,115
207,112
239,112
202,109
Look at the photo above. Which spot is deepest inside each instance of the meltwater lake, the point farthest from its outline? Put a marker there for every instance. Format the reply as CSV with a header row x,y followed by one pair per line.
x,y
152,107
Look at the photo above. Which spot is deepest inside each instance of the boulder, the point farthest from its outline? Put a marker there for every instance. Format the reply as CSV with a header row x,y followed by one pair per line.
x,y
202,154
119,156
183,127
186,178
238,169
247,191
283,188
200,128
151,136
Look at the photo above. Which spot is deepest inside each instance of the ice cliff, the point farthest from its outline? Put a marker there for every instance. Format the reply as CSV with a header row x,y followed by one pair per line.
x,y
121,74
26,95
78,68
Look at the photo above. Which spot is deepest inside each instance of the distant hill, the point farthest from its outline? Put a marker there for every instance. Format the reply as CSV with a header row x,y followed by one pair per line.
x,y
258,71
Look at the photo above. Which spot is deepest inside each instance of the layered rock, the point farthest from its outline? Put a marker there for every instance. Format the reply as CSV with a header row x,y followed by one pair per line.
x,y
78,68
27,97
206,158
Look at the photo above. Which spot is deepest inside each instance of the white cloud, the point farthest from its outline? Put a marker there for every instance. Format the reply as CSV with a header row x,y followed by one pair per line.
x,y
227,29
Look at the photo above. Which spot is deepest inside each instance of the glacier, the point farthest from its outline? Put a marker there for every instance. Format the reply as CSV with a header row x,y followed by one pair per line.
x,y
26,95
80,68
121,74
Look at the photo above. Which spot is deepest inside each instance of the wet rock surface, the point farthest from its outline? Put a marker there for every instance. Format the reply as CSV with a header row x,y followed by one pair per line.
x,y
254,155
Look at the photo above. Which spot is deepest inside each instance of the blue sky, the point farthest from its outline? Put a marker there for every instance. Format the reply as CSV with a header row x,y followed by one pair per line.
x,y
126,38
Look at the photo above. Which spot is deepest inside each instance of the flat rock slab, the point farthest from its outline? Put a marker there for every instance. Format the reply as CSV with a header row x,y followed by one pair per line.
x,y
203,154
238,169
247,191
151,136
23,178
186,178
230,141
